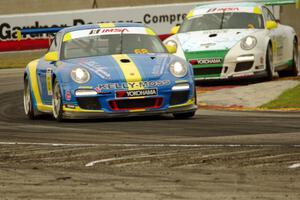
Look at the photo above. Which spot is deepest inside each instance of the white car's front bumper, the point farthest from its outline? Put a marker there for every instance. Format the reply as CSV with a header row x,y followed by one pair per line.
x,y
235,65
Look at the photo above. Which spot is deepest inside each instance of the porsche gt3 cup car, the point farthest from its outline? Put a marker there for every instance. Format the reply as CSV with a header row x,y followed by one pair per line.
x,y
108,70
230,40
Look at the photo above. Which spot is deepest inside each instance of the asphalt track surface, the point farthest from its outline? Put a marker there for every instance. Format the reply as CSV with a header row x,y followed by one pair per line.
x,y
216,154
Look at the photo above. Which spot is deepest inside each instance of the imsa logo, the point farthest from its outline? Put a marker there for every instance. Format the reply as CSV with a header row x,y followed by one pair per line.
x,y
208,61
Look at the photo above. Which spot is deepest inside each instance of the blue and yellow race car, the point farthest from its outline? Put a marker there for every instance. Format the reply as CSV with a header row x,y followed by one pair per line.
x,y
109,70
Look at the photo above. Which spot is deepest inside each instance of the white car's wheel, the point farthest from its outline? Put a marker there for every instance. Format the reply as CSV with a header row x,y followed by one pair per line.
x,y
27,101
57,103
294,69
269,64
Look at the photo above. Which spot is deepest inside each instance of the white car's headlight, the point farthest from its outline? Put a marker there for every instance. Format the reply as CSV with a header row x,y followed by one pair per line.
x,y
248,42
178,69
171,43
80,75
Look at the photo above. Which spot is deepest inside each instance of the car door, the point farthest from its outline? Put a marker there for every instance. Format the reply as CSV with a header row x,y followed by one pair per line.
x,y
45,71
277,37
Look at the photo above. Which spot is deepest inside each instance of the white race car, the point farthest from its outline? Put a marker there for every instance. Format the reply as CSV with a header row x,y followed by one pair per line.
x,y
234,40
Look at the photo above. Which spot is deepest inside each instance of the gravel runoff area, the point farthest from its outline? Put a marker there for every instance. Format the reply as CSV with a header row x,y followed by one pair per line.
x,y
250,96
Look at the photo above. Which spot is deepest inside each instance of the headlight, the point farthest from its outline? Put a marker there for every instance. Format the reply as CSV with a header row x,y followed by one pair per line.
x,y
178,69
80,75
248,43
171,43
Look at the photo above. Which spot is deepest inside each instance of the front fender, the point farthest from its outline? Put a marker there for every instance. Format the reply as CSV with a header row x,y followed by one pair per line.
x,y
179,52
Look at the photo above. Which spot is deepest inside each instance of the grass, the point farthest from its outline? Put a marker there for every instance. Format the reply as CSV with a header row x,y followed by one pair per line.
x,y
18,59
289,99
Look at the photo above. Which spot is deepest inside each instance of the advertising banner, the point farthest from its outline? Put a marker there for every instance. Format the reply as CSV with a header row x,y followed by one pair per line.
x,y
159,17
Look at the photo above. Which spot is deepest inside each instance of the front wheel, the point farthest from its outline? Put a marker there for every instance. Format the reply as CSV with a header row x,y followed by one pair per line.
x,y
184,115
269,64
57,103
27,101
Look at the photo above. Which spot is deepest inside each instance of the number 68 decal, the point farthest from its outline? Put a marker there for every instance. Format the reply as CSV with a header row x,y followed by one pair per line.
x,y
141,51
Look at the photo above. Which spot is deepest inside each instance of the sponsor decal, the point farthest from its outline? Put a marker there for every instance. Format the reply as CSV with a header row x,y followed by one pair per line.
x,y
163,18
108,30
136,93
68,95
49,81
8,31
141,51
131,85
212,10
208,61
99,69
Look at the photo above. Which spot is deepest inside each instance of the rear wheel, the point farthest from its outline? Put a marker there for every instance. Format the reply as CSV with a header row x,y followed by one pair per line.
x,y
269,64
294,69
27,101
57,103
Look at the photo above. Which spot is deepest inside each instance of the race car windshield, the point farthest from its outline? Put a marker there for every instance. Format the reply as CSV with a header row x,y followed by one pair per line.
x,y
228,20
101,45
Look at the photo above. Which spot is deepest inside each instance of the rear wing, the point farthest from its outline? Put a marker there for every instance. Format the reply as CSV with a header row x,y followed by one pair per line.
x,y
36,31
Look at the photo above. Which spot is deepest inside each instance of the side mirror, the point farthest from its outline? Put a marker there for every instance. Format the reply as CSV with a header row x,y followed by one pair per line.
x,y
171,49
51,56
175,30
271,25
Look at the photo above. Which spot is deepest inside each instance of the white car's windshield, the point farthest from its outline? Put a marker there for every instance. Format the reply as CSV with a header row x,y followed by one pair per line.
x,y
226,20
101,45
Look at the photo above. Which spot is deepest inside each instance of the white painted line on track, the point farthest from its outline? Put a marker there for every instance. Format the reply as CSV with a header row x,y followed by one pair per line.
x,y
47,144
149,145
294,166
90,164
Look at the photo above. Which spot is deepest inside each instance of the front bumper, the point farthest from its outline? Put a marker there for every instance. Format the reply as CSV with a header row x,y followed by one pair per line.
x,y
77,113
235,65
176,98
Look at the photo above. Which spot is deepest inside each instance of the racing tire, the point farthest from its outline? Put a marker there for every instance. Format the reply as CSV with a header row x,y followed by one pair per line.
x,y
195,95
184,115
27,101
269,64
294,69
57,103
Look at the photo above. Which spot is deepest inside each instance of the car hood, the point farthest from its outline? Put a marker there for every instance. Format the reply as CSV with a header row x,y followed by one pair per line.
x,y
212,39
150,66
